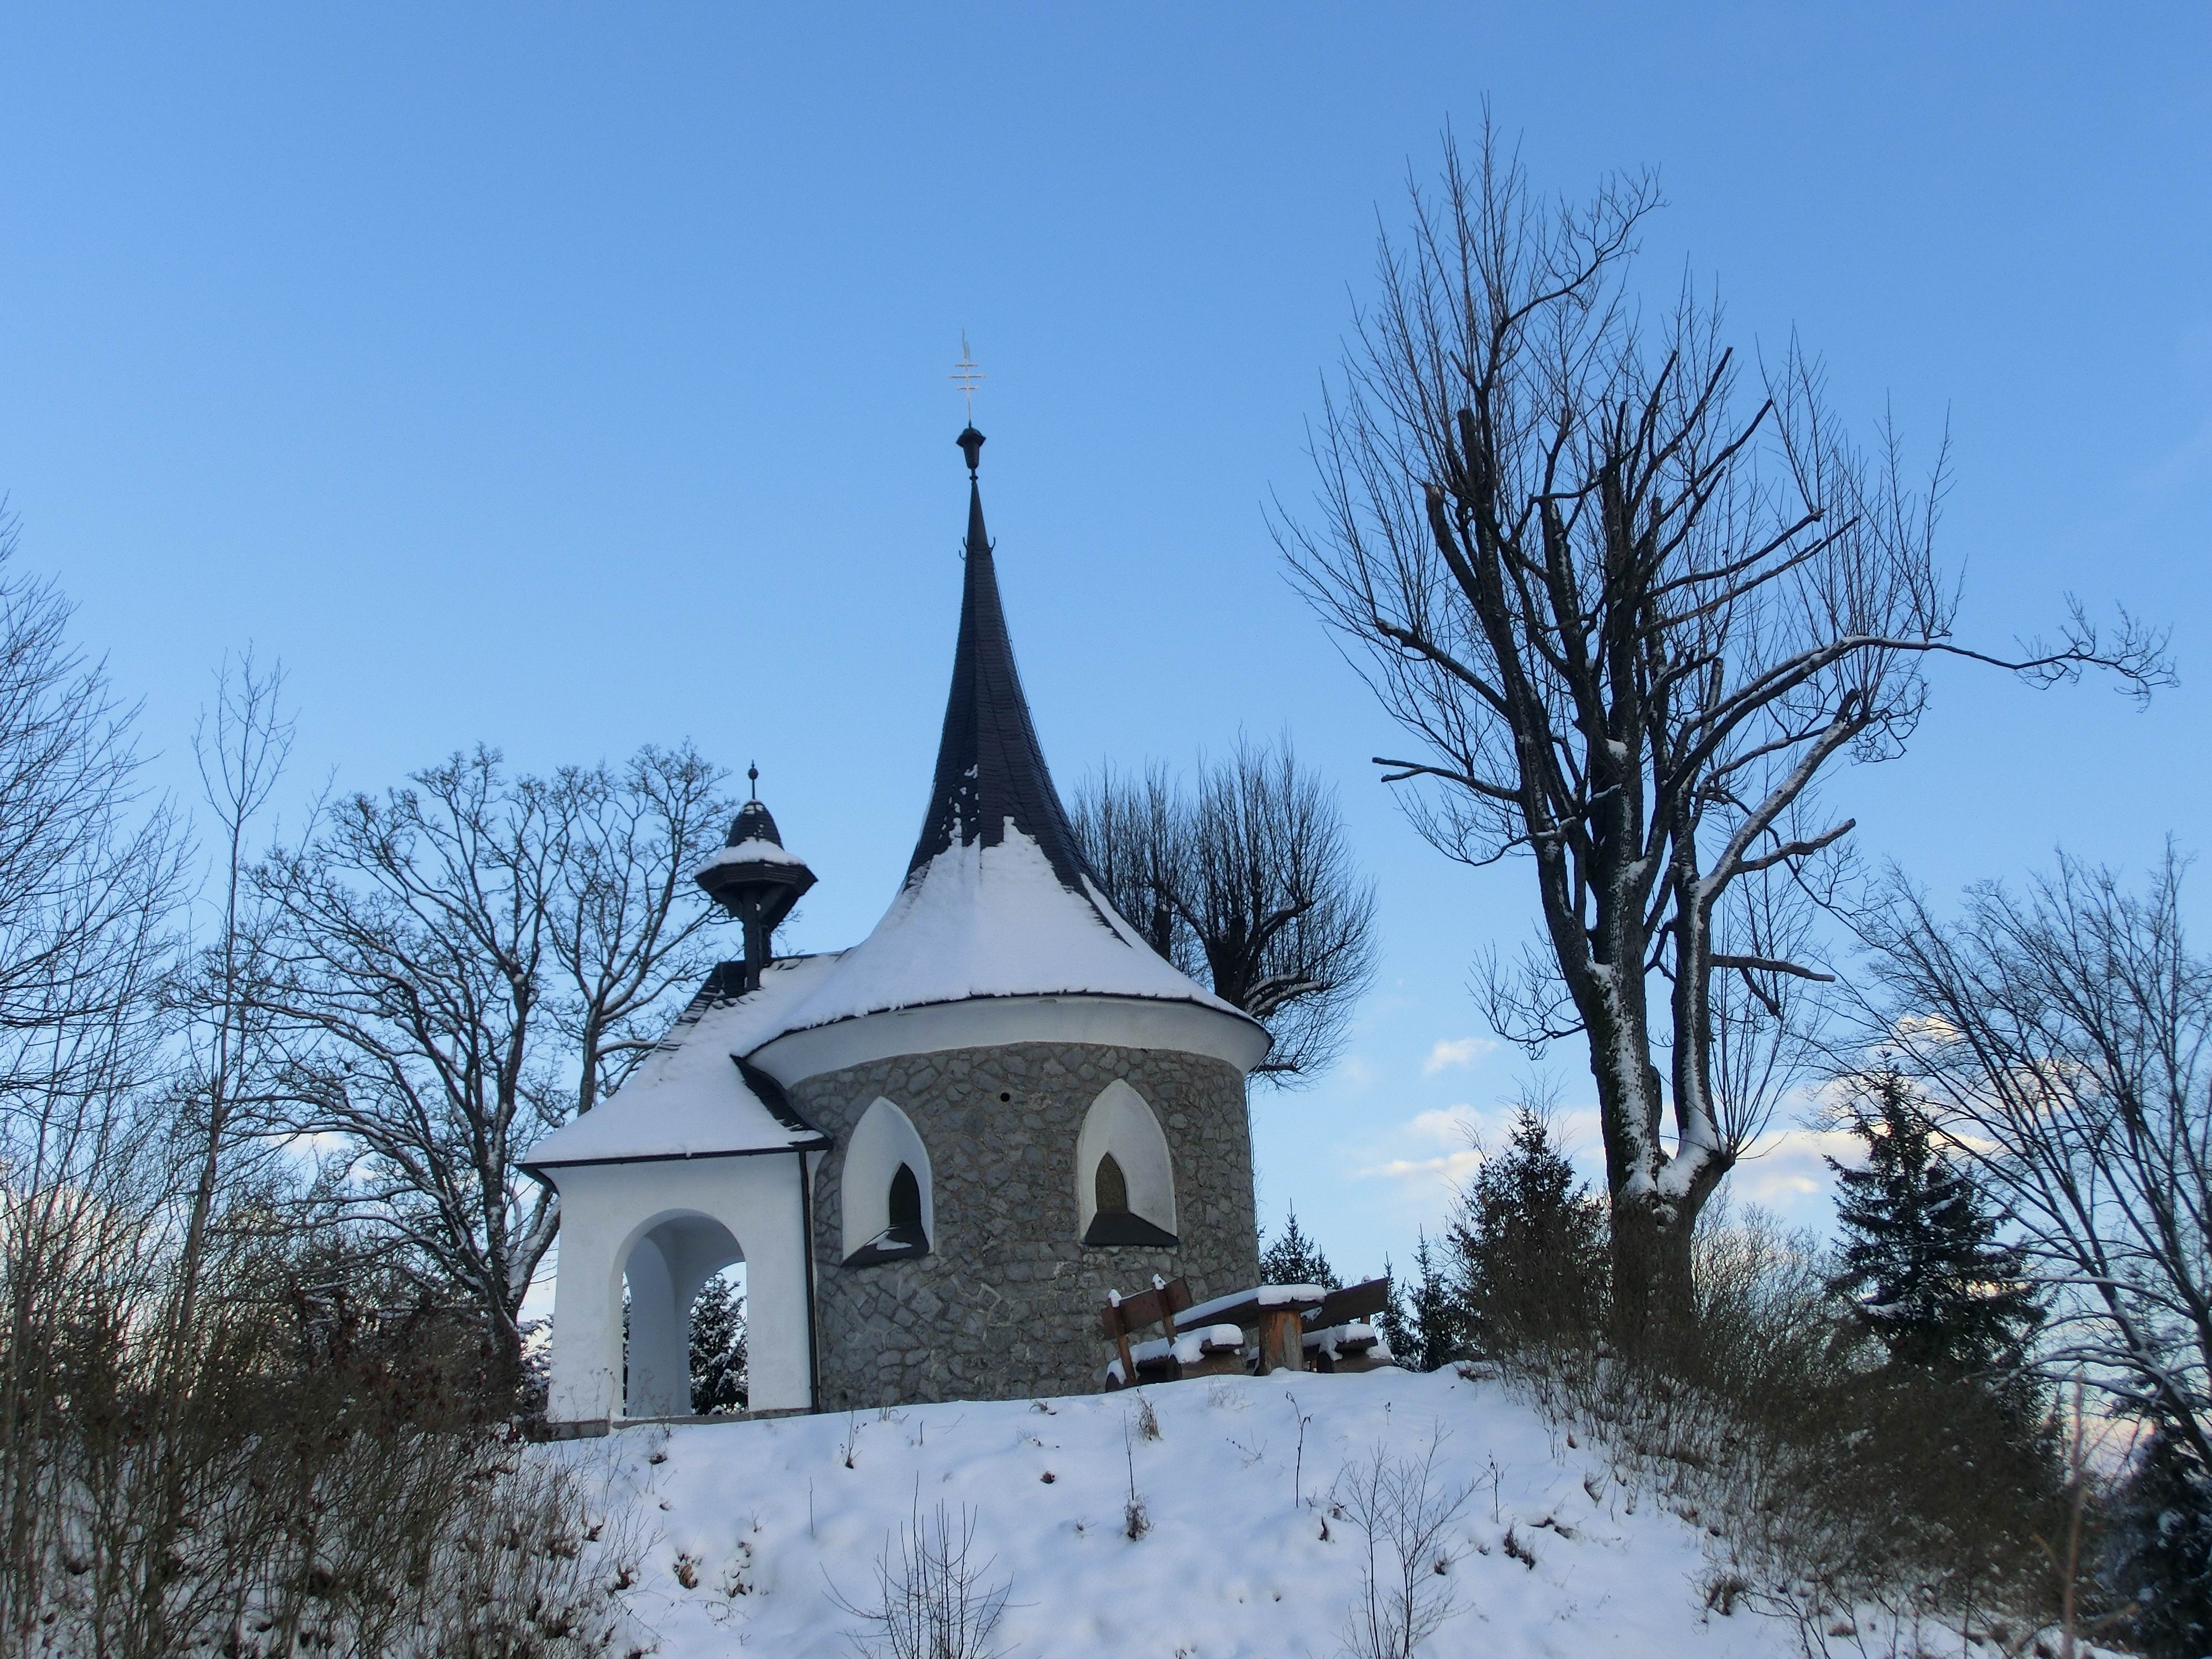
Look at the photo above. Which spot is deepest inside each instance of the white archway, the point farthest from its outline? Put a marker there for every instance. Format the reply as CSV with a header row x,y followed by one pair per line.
x,y
610,1211
883,1142
1120,1126
668,1260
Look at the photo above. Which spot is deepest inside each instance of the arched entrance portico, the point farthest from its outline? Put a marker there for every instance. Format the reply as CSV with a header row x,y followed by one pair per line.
x,y
668,1264
664,1227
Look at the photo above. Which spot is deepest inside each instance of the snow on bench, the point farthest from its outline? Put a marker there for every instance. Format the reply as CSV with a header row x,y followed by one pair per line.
x,y
1355,1346
1188,1349
1286,1318
1300,1297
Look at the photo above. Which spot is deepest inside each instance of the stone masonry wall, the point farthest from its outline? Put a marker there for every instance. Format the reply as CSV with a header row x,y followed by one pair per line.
x,y
1006,1305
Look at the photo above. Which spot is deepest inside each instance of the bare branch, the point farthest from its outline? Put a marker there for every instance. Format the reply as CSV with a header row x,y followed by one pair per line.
x,y
1630,599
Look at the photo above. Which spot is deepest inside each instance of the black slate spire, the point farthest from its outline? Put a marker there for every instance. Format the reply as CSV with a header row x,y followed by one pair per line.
x,y
990,769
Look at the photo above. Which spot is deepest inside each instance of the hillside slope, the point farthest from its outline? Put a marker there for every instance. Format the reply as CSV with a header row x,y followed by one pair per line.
x,y
766,1517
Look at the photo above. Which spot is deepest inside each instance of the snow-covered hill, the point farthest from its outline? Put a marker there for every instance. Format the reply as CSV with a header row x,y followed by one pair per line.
x,y
747,1532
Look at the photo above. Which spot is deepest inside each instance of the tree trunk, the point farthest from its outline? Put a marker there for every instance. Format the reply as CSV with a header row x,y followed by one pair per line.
x,y
1654,1298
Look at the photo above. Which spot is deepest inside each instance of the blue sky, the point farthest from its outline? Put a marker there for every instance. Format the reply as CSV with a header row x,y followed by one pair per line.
x,y
571,377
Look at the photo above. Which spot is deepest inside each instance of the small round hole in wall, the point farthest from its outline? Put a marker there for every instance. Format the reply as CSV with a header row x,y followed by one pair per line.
x,y
1003,1095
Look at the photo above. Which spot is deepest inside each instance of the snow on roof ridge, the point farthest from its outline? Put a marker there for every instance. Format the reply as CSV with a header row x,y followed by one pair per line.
x,y
755,850
995,920
690,1096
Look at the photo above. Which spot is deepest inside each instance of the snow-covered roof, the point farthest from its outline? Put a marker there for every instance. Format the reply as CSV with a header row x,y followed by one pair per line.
x,y
984,920
757,850
997,901
691,1097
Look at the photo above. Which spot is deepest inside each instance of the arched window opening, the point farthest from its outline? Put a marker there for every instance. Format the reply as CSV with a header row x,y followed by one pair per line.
x,y
906,1202
676,1287
1127,1194
1112,1187
885,1189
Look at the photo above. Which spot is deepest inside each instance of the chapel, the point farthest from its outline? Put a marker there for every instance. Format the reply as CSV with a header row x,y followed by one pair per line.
x,y
936,1151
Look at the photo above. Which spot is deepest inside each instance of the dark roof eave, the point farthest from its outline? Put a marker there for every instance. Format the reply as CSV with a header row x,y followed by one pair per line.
x,y
536,1170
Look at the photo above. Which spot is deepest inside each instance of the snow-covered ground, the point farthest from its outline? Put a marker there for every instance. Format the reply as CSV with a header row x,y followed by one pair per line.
x,y
771,1524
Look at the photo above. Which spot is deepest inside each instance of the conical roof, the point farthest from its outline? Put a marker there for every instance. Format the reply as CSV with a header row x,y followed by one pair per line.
x,y
997,900
991,772
753,822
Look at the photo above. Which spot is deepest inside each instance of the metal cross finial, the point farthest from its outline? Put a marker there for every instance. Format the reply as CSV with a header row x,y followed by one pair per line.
x,y
966,376
752,777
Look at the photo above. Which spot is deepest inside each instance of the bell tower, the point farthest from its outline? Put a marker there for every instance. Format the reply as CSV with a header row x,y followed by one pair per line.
x,y
754,880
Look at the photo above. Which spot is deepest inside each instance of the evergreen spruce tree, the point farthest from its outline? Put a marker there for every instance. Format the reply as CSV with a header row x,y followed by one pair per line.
x,y
2159,1551
1528,1244
718,1349
1395,1321
1291,1258
1920,1261
1427,1325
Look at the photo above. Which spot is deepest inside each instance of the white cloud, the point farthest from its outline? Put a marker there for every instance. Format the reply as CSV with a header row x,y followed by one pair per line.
x,y
1456,1051
1403,1151
1453,1125
1786,1171
1451,1170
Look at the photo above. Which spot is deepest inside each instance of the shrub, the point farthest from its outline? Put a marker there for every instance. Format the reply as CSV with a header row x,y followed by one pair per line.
x,y
932,1599
1403,1511
1837,1483
300,1471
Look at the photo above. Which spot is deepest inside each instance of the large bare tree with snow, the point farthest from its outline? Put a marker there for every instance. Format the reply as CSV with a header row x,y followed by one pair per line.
x,y
1630,597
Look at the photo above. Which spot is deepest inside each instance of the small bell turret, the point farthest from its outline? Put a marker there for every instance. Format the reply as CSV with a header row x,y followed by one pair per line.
x,y
754,880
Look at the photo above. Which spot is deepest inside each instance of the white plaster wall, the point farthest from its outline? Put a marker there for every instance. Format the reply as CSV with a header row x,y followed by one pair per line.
x,y
658,1366
884,1139
608,1215
1119,1122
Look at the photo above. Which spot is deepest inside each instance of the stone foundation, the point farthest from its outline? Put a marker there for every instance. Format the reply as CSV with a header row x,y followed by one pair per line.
x,y
1006,1305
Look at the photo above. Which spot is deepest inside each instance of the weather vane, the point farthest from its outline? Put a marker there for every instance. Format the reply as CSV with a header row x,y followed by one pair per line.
x,y
966,376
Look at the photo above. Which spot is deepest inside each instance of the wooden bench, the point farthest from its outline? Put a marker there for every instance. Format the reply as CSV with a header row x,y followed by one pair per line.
x,y
1342,1337
1216,1349
1290,1321
1276,1312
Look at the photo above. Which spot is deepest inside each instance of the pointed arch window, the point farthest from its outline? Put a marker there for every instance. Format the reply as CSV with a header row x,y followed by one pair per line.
x,y
1111,1189
1126,1193
905,1204
884,1191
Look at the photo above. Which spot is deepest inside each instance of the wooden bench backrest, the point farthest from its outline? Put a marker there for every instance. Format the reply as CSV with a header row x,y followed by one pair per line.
x,y
1156,1307
1353,1302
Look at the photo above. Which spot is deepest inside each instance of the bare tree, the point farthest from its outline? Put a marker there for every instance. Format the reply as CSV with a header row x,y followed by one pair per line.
x,y
1133,832
457,967
1405,1510
88,870
1630,603
89,881
2060,1039
1247,883
240,745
